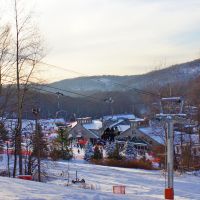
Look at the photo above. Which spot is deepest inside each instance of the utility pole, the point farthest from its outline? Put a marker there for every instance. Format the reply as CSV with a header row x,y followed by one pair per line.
x,y
36,112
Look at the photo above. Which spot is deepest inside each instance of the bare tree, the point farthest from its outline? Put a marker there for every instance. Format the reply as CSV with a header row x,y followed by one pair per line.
x,y
6,60
28,52
5,43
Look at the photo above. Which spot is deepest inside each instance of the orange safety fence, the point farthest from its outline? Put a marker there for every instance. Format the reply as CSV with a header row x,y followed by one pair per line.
x,y
11,152
25,177
119,189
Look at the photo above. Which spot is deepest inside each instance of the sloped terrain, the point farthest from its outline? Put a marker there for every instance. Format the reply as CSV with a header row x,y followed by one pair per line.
x,y
173,74
140,184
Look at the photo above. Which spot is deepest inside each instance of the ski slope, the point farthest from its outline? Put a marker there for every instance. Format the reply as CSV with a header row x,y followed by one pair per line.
x,y
17,189
140,184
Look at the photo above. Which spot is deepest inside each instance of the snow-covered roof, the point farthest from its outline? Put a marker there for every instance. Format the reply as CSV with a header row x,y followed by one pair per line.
x,y
56,120
119,116
157,136
95,125
123,124
79,130
138,120
123,128
93,133
72,124
116,123
83,118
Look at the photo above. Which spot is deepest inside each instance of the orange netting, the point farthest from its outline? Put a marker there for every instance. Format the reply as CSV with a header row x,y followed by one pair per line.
x,y
119,189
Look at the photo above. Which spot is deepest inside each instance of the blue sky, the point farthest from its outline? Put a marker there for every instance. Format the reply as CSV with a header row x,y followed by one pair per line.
x,y
118,36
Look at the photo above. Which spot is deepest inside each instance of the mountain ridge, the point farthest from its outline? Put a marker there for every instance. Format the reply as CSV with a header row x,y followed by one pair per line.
x,y
170,75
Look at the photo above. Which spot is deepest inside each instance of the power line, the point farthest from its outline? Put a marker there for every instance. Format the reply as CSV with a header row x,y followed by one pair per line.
x,y
95,100
99,80
95,79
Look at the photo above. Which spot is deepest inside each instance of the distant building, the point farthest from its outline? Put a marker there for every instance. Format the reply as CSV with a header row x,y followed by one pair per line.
x,y
143,137
85,128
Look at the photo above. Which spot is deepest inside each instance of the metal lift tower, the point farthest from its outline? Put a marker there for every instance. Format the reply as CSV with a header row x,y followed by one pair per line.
x,y
171,113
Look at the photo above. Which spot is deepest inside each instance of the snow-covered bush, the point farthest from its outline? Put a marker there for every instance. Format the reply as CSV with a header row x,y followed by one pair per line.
x,y
110,148
129,151
89,152
113,151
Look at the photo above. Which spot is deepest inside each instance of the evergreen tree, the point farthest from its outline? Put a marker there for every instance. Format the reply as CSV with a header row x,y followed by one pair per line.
x,y
39,146
3,135
117,153
110,148
113,151
3,132
97,153
129,151
3,138
61,144
89,152
39,143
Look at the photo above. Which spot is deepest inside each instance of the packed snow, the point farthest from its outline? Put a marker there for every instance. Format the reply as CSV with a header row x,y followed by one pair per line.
x,y
139,184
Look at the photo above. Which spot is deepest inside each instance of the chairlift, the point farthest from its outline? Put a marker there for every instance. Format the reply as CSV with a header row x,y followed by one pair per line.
x,y
109,100
59,110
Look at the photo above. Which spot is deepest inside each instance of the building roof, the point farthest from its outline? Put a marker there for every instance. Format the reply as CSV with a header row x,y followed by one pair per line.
x,y
80,131
95,125
122,128
119,116
155,135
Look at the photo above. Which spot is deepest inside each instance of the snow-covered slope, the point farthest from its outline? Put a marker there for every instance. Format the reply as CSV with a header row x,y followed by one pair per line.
x,y
140,184
16,189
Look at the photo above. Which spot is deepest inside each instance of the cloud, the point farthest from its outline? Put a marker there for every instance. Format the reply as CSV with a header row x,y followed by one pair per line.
x,y
119,36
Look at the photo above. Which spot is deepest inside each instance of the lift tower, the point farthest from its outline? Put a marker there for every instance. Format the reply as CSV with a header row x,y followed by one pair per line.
x,y
171,112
